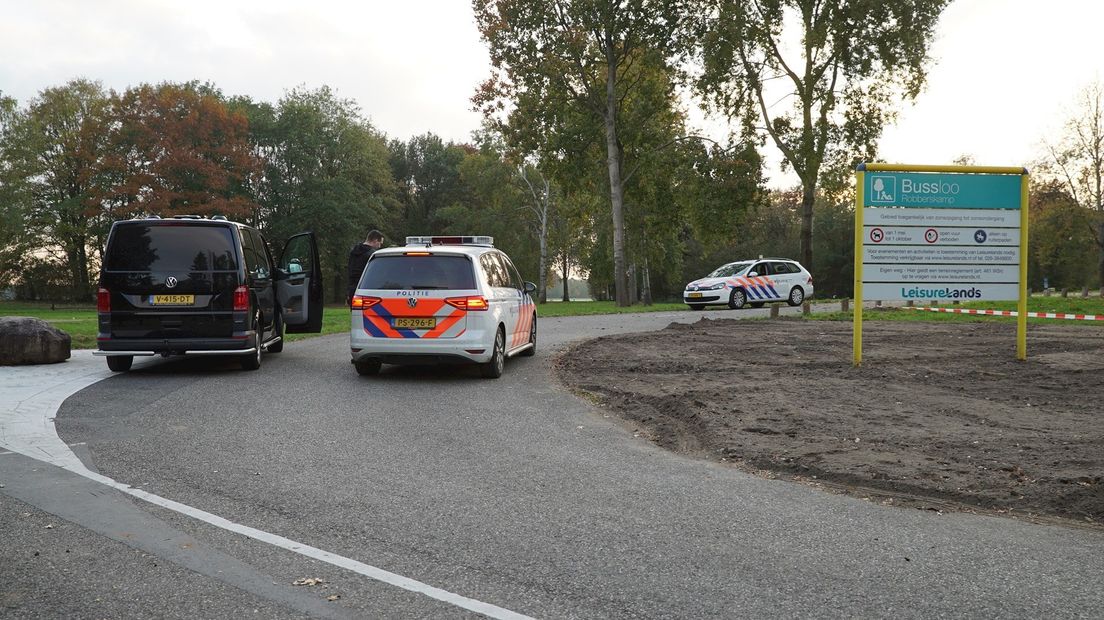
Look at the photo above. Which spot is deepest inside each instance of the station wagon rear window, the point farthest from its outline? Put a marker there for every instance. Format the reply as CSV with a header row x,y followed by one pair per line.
x,y
171,247
435,272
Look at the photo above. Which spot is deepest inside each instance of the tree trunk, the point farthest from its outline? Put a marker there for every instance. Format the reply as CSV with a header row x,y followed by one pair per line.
x,y
808,196
542,285
1100,244
566,294
631,273
647,284
613,162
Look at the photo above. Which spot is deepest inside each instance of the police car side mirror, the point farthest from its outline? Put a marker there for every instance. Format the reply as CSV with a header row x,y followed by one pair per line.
x,y
753,274
530,288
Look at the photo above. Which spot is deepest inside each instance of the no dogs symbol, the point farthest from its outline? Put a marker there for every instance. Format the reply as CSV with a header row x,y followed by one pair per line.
x,y
877,235
931,235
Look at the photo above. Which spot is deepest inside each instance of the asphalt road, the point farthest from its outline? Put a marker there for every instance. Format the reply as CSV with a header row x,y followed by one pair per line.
x,y
512,492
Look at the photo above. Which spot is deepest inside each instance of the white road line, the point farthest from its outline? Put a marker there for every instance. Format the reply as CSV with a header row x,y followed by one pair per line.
x,y
29,399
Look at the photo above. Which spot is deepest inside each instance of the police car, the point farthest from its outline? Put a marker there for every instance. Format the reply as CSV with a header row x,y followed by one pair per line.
x,y
754,282
442,300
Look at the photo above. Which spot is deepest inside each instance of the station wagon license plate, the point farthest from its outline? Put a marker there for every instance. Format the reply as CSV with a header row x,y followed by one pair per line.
x,y
172,300
427,323
693,295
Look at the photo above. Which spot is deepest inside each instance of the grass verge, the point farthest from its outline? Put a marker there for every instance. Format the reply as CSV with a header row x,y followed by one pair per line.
x,y
79,321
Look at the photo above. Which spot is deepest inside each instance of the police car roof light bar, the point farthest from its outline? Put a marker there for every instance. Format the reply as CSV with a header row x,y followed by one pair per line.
x,y
454,240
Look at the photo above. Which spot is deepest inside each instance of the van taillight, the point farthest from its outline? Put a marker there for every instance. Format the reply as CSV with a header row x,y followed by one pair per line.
x,y
361,302
241,298
471,302
103,300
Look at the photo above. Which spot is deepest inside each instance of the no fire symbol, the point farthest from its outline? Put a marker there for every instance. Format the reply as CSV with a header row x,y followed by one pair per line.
x,y
931,235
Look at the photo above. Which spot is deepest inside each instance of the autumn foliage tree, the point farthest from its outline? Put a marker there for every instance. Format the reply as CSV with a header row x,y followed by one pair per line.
x,y
178,149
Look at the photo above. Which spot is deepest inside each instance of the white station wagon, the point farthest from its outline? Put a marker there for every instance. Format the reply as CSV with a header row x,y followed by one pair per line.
x,y
442,300
754,282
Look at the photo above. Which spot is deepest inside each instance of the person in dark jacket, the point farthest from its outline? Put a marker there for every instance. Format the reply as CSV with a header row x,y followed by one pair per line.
x,y
358,258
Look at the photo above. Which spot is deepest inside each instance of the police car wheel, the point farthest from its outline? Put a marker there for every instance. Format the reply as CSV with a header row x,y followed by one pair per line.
x,y
367,368
531,351
797,295
493,368
737,299
697,307
120,363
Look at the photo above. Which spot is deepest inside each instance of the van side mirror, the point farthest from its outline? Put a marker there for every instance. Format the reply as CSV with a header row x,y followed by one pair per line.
x,y
530,288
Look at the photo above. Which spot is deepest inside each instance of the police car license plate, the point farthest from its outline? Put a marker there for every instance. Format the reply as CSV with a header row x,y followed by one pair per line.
x,y
172,300
428,323
693,295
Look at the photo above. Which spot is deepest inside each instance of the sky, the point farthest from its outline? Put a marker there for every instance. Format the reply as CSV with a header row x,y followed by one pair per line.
x,y
1004,76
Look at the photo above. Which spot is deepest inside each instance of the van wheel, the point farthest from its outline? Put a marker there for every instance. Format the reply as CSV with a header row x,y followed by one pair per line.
x,y
493,368
531,351
277,331
253,360
737,299
120,363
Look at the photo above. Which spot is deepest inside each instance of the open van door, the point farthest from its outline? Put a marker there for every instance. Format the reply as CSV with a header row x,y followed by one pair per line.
x,y
299,284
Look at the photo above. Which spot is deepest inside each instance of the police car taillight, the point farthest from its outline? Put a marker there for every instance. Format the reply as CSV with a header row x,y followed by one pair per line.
x,y
103,300
451,240
241,298
361,302
470,302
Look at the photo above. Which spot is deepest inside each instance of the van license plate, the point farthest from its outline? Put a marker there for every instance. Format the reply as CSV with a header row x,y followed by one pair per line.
x,y
428,323
694,295
172,300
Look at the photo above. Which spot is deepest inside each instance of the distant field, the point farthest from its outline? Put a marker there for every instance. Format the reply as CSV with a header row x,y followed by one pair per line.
x,y
79,321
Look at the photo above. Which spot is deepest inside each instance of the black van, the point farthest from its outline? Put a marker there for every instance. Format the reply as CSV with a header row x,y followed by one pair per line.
x,y
203,286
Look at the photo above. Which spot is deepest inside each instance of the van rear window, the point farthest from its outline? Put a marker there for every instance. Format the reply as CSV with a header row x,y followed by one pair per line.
x,y
436,272
171,247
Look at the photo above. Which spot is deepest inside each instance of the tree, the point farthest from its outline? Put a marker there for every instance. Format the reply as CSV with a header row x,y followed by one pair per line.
x,y
1061,243
578,53
52,157
428,174
178,149
325,169
1076,162
11,202
852,59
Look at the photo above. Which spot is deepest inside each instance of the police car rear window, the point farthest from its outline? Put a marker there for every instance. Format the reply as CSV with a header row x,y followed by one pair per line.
x,y
396,271
171,247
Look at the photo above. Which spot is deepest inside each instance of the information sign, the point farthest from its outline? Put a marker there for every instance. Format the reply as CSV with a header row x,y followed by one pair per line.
x,y
939,233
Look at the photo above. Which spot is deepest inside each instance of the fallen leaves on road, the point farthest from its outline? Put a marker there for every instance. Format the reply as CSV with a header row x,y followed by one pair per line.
x,y
308,581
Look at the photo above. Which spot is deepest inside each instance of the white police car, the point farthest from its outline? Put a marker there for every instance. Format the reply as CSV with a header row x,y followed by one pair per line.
x,y
442,300
754,282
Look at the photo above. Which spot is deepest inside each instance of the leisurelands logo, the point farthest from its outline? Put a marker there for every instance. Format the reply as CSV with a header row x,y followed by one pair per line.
x,y
940,293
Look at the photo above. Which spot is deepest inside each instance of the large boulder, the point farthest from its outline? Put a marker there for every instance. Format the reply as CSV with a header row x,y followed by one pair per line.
x,y
26,340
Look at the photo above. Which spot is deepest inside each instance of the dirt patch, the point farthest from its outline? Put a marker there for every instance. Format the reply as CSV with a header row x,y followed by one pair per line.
x,y
939,416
